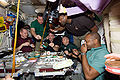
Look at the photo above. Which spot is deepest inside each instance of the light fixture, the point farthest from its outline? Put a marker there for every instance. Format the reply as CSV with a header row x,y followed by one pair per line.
x,y
61,9
51,0
4,3
43,1
41,9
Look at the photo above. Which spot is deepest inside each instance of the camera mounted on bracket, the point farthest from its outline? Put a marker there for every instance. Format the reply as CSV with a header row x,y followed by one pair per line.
x,y
51,12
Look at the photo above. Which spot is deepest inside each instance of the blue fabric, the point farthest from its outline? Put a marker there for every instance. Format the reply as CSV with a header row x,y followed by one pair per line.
x,y
71,38
96,59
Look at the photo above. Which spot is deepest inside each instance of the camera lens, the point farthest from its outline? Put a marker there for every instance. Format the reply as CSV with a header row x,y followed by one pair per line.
x,y
50,19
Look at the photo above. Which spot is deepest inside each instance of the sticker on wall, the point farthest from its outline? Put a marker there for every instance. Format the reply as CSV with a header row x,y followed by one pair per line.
x,y
2,25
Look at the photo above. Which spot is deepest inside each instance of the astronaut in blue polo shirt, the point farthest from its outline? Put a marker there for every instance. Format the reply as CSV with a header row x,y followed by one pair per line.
x,y
93,61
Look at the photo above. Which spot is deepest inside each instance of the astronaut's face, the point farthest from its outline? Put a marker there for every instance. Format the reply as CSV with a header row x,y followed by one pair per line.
x,y
40,19
63,20
65,41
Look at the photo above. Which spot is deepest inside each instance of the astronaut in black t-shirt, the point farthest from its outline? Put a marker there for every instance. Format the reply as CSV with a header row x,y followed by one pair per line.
x,y
52,43
78,25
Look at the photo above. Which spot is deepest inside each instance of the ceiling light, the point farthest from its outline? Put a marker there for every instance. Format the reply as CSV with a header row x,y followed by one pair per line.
x,y
40,10
51,0
61,9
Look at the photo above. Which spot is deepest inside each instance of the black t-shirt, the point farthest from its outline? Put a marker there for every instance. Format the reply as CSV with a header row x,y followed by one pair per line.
x,y
80,25
56,41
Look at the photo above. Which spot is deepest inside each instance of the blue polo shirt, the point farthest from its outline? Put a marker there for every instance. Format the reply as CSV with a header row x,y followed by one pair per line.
x,y
96,59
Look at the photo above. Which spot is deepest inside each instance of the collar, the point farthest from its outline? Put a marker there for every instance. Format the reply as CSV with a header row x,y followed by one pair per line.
x,y
102,46
97,48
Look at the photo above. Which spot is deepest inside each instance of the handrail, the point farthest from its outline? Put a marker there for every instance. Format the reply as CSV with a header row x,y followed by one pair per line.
x,y
13,66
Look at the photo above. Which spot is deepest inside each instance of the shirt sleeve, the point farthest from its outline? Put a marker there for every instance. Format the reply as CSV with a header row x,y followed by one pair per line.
x,y
98,62
17,43
71,46
31,41
62,48
32,25
74,46
47,26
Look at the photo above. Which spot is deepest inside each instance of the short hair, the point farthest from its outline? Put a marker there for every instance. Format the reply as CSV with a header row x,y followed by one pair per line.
x,y
51,33
27,27
22,29
62,14
95,35
39,14
68,3
66,37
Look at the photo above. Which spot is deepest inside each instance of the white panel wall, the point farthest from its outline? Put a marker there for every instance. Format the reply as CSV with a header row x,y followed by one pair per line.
x,y
114,21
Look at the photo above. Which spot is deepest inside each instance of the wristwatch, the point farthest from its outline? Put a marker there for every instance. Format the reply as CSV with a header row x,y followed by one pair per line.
x,y
83,53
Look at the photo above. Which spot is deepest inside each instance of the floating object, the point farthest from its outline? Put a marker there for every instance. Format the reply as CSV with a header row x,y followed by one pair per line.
x,y
63,64
113,67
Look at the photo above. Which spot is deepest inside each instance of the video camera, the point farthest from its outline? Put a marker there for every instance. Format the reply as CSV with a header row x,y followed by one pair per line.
x,y
51,12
